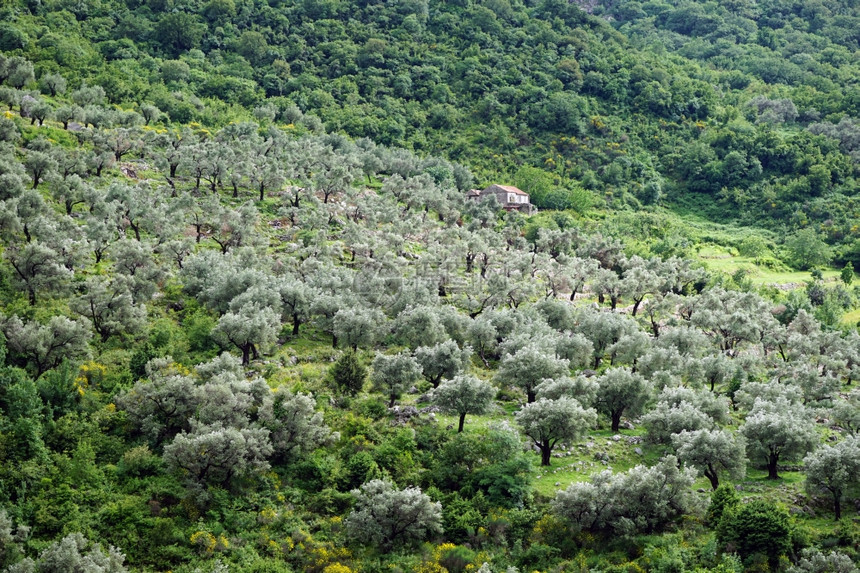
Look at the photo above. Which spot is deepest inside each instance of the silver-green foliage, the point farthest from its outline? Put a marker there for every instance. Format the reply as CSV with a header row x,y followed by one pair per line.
x,y
528,367
73,554
712,451
215,454
812,560
778,430
621,391
386,516
464,395
392,375
583,389
832,470
548,422
641,499
443,360
294,426
45,346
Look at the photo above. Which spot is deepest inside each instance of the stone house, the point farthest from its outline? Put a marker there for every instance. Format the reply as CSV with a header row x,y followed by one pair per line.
x,y
508,196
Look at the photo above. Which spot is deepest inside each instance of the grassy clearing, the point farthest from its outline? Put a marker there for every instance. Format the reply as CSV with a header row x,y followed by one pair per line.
x,y
851,318
718,259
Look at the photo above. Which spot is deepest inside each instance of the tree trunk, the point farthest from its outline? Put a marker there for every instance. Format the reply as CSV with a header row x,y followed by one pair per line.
x,y
391,401
262,191
545,453
530,395
296,324
334,343
246,354
463,421
711,474
636,306
837,506
616,420
771,467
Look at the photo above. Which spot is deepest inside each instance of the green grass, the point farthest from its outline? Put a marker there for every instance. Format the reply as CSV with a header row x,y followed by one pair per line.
x,y
721,260
851,318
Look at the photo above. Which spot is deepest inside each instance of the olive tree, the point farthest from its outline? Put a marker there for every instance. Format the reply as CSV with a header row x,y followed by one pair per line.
x,y
640,500
386,516
109,307
812,560
443,360
548,422
621,391
357,326
464,395
248,327
666,420
45,346
295,427
37,267
528,367
778,429
392,375
296,298
831,470
710,451
162,405
583,389
74,554
846,412
215,455
420,326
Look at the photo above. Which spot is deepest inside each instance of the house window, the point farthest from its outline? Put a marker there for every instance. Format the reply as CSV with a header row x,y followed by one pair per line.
x,y
511,199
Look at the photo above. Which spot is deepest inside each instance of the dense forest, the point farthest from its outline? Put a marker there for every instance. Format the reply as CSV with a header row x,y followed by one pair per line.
x,y
250,321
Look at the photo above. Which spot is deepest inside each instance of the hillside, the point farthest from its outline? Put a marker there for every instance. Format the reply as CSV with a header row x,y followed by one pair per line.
x,y
744,112
250,321
230,364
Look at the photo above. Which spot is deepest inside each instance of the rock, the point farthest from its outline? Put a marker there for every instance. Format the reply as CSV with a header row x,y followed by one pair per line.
x,y
557,484
638,451
627,425
795,511
402,414
701,490
616,437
